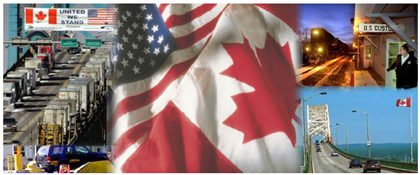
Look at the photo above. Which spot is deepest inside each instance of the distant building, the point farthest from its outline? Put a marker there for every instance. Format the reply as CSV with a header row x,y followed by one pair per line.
x,y
383,29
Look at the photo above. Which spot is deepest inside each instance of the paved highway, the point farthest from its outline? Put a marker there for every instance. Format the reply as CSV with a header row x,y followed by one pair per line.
x,y
30,113
324,163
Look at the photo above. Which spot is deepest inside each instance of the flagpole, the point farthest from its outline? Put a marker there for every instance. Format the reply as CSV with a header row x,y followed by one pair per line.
x,y
411,129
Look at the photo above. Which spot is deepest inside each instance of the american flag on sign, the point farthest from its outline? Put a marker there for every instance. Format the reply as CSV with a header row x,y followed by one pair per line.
x,y
205,88
106,16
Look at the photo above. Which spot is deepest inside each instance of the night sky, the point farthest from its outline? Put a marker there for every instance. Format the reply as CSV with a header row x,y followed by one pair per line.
x,y
335,18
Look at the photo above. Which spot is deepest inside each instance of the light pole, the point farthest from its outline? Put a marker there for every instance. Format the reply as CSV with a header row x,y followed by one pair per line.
x,y
367,130
305,139
336,134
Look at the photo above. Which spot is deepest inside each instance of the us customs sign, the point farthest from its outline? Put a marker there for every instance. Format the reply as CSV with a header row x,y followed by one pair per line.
x,y
374,28
67,19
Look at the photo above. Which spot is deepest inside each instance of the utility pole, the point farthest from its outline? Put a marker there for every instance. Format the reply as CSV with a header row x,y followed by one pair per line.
x,y
367,132
368,136
411,131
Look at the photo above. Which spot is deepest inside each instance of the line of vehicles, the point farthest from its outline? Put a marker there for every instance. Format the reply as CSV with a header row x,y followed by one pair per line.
x,y
368,165
67,114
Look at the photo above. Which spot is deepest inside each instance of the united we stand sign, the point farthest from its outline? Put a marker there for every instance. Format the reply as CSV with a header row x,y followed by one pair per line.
x,y
68,19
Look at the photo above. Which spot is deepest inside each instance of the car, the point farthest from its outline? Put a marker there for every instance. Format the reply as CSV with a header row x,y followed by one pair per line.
x,y
9,124
318,149
334,154
85,50
74,50
372,165
355,163
51,157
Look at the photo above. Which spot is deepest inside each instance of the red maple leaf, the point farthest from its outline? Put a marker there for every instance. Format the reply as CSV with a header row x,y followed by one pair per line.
x,y
40,15
271,107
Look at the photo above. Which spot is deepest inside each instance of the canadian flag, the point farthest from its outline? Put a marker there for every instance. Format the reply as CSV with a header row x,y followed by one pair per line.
x,y
406,102
40,15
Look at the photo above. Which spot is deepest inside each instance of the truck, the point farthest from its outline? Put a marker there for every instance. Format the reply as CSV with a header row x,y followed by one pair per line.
x,y
73,94
9,96
90,72
22,77
31,78
37,65
57,115
18,87
85,86
46,55
98,66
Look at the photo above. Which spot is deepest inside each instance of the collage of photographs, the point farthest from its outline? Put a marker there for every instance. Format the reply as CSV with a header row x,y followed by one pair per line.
x,y
209,88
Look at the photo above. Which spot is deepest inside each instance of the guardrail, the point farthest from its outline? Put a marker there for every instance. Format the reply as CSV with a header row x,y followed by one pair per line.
x,y
386,164
308,167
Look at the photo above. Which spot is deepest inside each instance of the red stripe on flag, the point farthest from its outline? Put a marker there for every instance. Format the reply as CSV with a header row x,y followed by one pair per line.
x,y
190,39
408,102
52,16
137,101
175,144
176,20
162,7
29,16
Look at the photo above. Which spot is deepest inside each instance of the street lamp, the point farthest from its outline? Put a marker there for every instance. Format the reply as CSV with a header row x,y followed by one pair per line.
x,y
315,32
367,130
305,139
320,49
336,134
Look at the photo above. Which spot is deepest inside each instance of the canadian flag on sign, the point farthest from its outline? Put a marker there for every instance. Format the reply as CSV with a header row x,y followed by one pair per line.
x,y
406,102
40,15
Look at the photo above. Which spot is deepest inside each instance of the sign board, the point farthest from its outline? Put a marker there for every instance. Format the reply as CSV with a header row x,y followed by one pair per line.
x,y
69,19
69,42
93,42
374,28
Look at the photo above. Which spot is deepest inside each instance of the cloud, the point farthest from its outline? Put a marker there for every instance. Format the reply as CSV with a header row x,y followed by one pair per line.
x,y
335,18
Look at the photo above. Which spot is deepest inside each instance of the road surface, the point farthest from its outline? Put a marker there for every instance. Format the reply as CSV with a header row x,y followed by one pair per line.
x,y
324,163
336,72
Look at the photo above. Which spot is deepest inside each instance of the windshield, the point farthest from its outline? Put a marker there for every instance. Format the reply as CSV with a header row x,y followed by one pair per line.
x,y
372,161
9,120
43,150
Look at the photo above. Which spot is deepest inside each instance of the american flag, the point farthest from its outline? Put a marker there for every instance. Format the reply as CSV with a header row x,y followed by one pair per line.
x,y
106,16
156,46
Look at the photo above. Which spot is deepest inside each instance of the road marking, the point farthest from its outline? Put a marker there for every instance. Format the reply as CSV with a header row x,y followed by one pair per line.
x,y
25,128
336,165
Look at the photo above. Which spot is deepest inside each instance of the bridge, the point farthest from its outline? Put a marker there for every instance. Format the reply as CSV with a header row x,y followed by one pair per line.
x,y
319,159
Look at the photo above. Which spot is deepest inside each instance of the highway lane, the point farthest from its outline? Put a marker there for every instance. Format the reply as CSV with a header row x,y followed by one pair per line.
x,y
32,107
324,163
